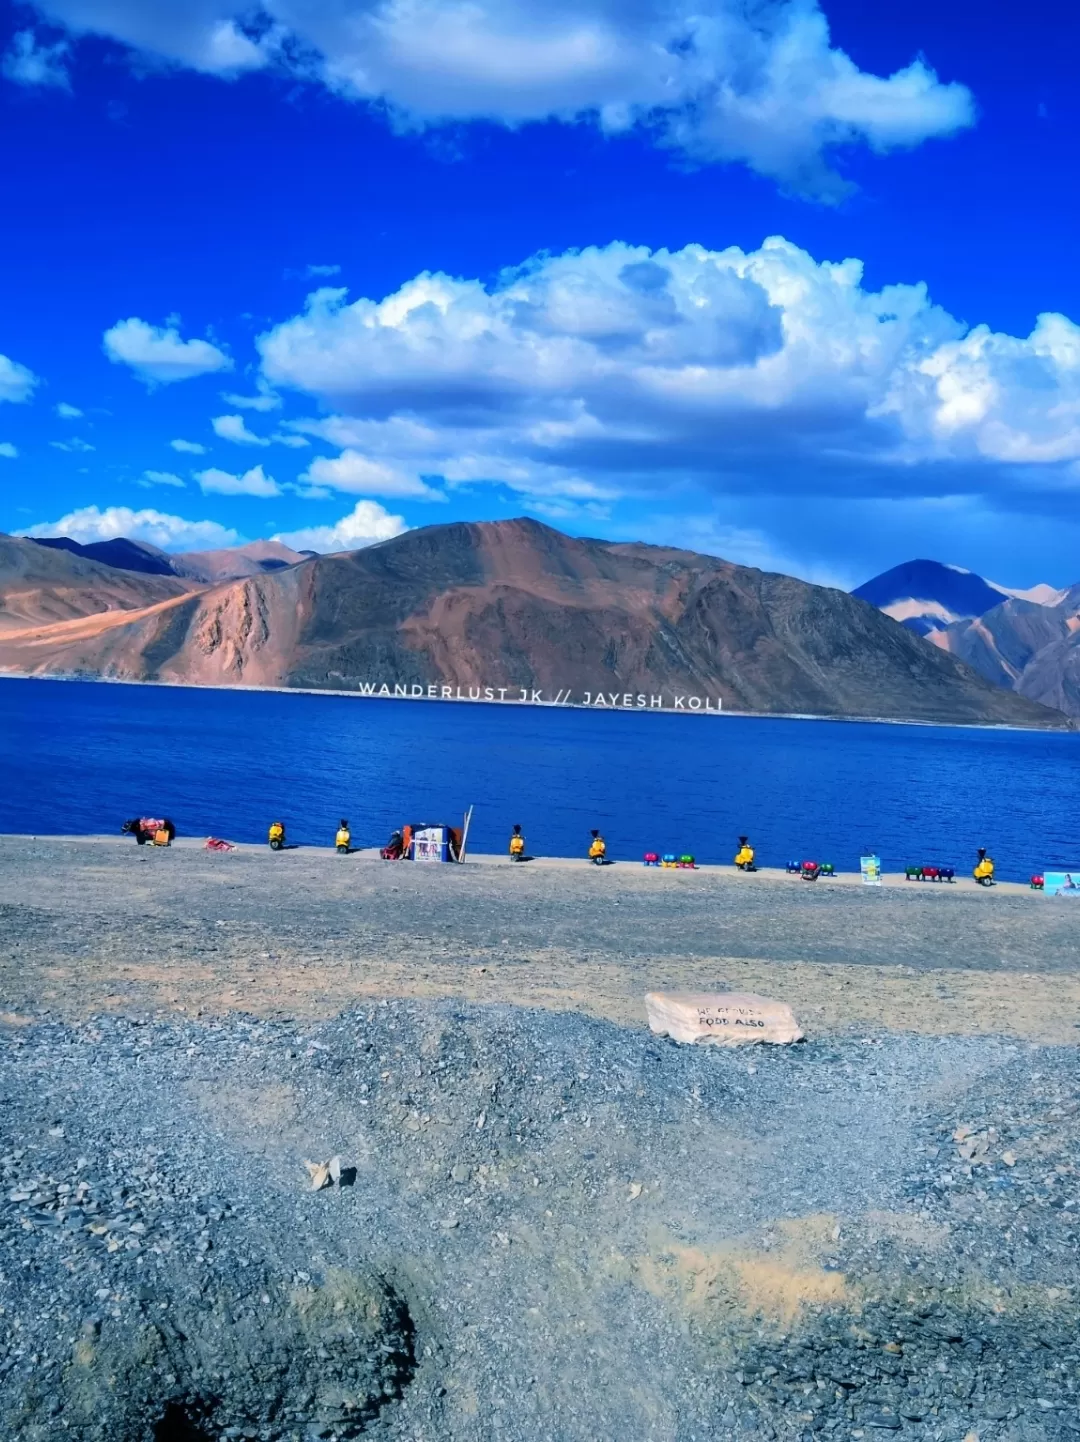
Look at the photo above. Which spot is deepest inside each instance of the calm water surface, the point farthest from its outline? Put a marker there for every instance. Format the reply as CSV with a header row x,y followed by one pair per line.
x,y
80,757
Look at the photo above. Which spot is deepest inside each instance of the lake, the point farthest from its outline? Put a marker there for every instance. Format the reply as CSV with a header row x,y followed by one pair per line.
x,y
80,757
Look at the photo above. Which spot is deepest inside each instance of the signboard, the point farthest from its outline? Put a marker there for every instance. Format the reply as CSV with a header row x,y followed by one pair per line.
x,y
1062,883
870,867
720,1018
431,843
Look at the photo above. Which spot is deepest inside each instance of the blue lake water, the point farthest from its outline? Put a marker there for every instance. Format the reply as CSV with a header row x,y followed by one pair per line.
x,y
80,757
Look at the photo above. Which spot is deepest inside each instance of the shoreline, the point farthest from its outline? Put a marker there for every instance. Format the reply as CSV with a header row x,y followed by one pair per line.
x,y
91,928
962,885
1071,726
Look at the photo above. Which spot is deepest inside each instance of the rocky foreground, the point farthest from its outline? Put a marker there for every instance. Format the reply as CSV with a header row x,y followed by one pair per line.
x,y
546,1228
545,1225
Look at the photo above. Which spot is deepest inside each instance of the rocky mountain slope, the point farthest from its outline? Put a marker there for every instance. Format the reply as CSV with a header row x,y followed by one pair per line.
x,y
40,585
517,604
235,562
1025,641
1032,649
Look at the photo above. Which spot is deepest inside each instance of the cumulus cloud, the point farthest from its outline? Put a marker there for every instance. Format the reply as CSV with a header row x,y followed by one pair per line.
x,y
264,401
724,81
67,412
160,478
577,378
171,533
365,524
32,61
360,475
157,354
8,450
16,382
234,428
252,483
188,448
553,324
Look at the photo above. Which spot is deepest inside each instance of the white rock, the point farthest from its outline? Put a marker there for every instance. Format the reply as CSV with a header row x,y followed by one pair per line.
x,y
720,1018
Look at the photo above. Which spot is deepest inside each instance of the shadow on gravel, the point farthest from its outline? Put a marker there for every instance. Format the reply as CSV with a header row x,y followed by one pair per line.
x,y
321,1362
177,1426
908,1359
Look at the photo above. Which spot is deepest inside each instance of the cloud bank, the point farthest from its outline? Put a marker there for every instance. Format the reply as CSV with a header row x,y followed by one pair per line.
x,y
365,524
758,84
592,375
170,533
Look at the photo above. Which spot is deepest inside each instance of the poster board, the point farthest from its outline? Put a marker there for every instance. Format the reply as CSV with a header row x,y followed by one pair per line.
x,y
870,870
431,843
1062,883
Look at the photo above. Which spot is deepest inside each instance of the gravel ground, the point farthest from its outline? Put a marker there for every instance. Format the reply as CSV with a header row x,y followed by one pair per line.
x,y
311,899
548,1225
89,925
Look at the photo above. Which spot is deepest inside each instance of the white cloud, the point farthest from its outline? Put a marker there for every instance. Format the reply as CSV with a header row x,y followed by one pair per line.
x,y
159,478
8,450
171,533
233,428
264,401
188,448
252,483
16,382
31,61
761,84
201,34
66,412
365,524
75,444
323,270
362,476
158,355
575,378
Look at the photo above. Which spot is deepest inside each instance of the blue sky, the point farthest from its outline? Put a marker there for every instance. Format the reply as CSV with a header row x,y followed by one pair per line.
x,y
792,284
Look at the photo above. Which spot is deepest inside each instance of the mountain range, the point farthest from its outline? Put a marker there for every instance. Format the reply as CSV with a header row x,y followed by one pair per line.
x,y
476,604
1025,641
224,565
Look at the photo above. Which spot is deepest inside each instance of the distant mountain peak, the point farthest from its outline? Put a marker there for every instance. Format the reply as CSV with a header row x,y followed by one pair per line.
x,y
927,595
1023,640
122,554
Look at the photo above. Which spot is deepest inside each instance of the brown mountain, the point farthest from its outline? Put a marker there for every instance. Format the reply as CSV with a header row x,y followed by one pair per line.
x,y
1032,649
517,604
41,584
234,562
